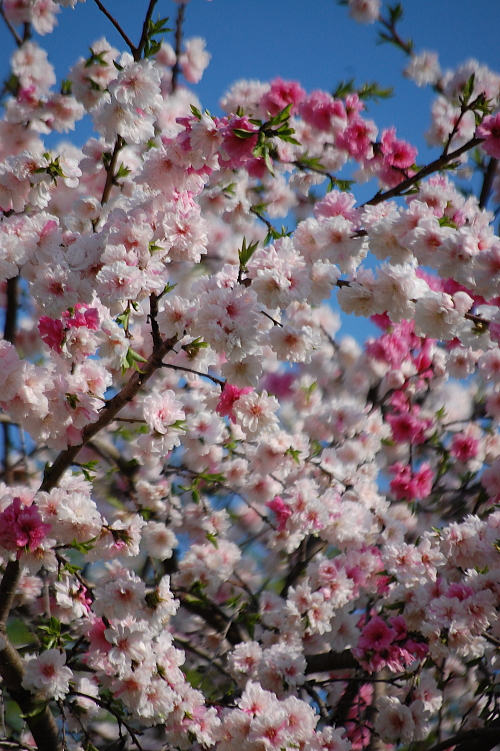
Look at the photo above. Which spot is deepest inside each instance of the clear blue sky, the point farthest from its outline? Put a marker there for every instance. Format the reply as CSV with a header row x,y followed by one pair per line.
x,y
312,41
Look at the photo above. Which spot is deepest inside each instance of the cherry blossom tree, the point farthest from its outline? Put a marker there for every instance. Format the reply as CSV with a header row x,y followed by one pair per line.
x,y
223,524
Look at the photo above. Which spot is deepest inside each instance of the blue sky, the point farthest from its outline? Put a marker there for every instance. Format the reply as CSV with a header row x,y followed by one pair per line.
x,y
314,42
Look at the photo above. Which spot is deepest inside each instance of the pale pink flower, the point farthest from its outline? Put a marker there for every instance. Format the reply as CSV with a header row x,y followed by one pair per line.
x,y
364,11
47,673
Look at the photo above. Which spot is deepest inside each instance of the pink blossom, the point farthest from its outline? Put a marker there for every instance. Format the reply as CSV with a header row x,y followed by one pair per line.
x,y
408,427
281,510
281,94
490,131
376,635
52,332
21,527
464,447
411,486
230,394
358,138
319,110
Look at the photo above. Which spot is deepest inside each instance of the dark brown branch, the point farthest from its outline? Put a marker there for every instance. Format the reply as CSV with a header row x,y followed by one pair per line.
x,y
489,176
178,43
9,330
144,36
42,726
479,739
107,414
153,315
12,30
324,663
214,379
110,170
117,26
429,169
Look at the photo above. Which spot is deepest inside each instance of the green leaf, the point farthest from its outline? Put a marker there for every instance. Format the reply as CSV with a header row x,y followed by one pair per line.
x,y
396,13
123,318
169,288
446,221
281,117
122,172
343,89
130,361
196,112
246,252
342,185
72,400
213,539
66,87
467,90
82,547
294,453
242,133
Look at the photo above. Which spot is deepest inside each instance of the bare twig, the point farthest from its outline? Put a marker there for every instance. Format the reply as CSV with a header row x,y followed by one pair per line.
x,y
12,30
178,43
110,169
489,176
214,379
429,169
117,26
107,414
144,36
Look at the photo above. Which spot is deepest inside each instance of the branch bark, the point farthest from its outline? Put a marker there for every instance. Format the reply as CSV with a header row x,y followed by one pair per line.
x,y
429,169
107,414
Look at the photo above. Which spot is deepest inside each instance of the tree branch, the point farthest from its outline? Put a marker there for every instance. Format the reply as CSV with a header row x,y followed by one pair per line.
x,y
107,414
324,663
144,36
12,30
434,166
489,176
214,379
479,739
117,26
110,170
178,42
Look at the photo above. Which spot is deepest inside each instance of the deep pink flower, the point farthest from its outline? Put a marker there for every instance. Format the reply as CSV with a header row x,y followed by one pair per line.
x,y
358,138
490,131
281,510
52,332
229,396
281,94
411,486
21,527
238,149
279,384
83,317
320,108
376,635
464,447
407,427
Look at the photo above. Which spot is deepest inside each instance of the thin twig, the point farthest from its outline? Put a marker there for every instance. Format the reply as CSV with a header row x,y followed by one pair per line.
x,y
216,380
12,30
110,170
144,36
117,26
109,708
429,169
489,176
178,43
